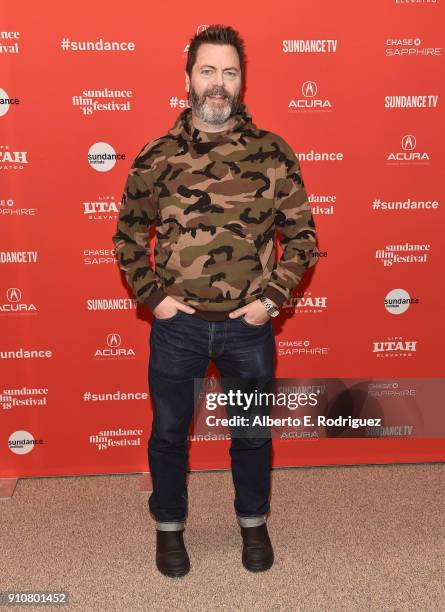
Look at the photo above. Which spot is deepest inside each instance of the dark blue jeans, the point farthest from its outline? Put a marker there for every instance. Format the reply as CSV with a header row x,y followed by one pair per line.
x,y
181,348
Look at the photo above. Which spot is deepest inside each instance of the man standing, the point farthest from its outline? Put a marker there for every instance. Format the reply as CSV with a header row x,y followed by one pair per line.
x,y
216,187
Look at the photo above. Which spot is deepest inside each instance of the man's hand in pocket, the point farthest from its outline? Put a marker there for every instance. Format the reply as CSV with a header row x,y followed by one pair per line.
x,y
169,307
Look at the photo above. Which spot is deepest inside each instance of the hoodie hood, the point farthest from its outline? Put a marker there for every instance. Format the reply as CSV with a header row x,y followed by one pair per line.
x,y
184,128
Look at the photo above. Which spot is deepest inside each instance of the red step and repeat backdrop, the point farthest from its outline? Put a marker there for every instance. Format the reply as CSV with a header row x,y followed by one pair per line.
x,y
355,88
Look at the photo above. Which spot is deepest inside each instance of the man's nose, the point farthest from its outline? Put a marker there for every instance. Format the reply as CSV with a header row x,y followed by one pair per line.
x,y
218,78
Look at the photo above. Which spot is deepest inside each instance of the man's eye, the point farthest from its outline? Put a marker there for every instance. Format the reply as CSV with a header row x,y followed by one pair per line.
x,y
206,70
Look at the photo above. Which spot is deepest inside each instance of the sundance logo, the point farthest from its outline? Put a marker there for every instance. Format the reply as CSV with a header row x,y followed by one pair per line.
x,y
114,349
395,347
398,301
6,102
22,442
15,305
102,157
310,100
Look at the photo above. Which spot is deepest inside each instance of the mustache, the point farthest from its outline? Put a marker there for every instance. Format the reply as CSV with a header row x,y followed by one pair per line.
x,y
217,92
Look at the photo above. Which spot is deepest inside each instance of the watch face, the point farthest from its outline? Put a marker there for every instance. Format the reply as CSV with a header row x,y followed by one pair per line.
x,y
272,311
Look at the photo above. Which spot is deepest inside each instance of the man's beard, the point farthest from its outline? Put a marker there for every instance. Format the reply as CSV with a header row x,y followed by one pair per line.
x,y
214,113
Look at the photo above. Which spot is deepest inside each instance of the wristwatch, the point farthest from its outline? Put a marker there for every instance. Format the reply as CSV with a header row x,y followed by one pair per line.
x,y
269,306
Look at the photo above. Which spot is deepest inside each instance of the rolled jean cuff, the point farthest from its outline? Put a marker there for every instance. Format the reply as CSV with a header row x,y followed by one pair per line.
x,y
251,521
170,526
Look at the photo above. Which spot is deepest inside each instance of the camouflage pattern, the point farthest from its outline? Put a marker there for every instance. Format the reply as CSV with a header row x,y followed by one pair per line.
x,y
216,200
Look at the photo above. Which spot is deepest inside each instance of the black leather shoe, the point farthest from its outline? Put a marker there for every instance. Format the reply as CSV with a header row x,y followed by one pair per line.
x,y
257,549
171,555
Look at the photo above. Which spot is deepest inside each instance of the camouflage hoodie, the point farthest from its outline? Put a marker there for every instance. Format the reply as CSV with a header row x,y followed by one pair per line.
x,y
215,199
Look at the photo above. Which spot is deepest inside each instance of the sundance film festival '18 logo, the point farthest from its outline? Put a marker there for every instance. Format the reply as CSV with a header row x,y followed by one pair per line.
x,y
322,204
117,438
105,440
310,102
94,100
23,397
9,44
403,253
408,155
14,304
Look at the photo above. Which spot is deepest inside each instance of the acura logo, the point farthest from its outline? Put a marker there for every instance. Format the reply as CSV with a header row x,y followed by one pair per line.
x,y
309,89
113,340
13,294
408,142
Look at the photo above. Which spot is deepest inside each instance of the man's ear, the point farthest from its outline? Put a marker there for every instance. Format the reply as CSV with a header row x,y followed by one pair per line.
x,y
187,82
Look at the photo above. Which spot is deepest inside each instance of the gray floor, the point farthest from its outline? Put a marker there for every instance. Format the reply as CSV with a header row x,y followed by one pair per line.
x,y
345,538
